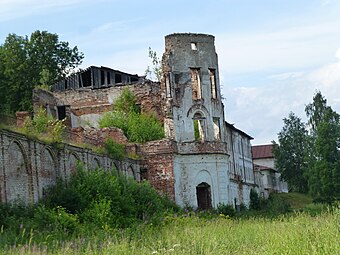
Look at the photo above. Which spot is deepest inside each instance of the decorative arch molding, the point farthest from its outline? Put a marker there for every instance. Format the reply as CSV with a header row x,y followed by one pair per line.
x,y
23,151
116,166
95,164
19,185
204,189
72,160
48,174
203,176
198,108
130,172
49,151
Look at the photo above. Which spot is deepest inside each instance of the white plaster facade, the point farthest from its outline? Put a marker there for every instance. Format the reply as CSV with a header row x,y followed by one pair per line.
x,y
268,178
192,170
214,157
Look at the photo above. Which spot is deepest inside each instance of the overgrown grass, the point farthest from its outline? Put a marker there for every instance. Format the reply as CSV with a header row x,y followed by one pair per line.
x,y
98,212
296,200
298,234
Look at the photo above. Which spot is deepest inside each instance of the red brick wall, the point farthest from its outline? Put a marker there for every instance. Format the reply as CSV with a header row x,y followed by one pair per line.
x,y
158,160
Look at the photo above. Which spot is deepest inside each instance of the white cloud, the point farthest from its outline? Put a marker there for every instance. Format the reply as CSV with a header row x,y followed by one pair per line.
x,y
289,48
259,111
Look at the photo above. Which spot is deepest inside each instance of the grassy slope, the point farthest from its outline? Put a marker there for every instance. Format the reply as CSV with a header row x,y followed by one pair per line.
x,y
296,200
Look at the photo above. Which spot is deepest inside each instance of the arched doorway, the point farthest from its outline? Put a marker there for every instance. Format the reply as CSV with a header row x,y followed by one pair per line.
x,y
203,193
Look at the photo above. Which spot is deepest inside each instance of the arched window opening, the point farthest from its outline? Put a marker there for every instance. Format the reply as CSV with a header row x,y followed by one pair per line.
x,y
203,193
199,127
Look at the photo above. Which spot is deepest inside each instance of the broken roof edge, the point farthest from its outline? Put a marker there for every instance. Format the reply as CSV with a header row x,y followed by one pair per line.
x,y
238,130
103,67
189,34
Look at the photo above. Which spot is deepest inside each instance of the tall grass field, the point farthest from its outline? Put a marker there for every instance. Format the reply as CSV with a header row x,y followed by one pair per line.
x,y
104,213
298,234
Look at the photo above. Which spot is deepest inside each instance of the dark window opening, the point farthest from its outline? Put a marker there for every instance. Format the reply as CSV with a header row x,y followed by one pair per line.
x,y
61,112
108,76
118,78
79,81
86,78
134,79
203,193
143,174
177,78
102,77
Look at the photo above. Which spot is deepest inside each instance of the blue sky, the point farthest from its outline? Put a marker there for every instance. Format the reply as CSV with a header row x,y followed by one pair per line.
x,y
273,54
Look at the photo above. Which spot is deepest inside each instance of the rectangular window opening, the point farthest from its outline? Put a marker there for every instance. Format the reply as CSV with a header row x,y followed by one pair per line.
x,y
134,79
86,78
61,112
118,78
79,81
193,46
196,83
108,76
167,86
102,77
217,131
212,74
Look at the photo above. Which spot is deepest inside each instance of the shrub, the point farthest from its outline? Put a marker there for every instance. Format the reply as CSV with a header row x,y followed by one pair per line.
x,y
115,150
115,119
143,128
277,205
42,124
226,209
126,102
107,200
255,203
40,121
137,127
55,219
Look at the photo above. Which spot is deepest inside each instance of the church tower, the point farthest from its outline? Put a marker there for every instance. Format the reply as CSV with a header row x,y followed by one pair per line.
x,y
194,119
194,111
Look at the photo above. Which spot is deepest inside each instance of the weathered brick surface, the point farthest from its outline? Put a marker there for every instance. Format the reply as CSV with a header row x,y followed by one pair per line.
x,y
87,102
158,161
28,166
199,148
96,137
21,117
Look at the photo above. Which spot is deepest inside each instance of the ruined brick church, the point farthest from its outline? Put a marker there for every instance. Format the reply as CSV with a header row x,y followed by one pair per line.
x,y
199,168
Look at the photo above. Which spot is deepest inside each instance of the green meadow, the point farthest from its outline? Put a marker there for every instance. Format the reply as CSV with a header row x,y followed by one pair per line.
x,y
104,213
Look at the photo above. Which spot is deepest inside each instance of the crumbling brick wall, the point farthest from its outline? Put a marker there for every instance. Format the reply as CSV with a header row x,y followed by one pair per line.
x,y
85,106
28,166
158,163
